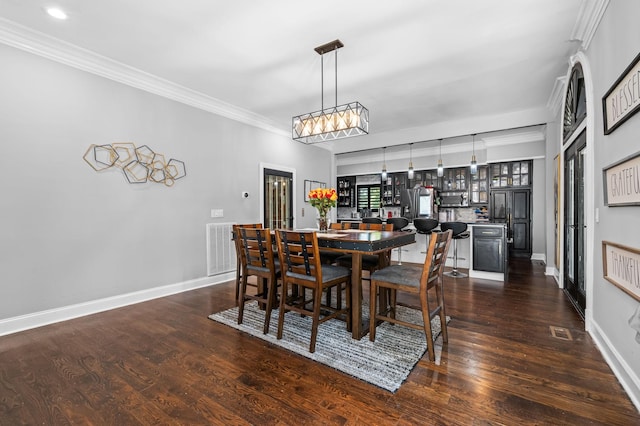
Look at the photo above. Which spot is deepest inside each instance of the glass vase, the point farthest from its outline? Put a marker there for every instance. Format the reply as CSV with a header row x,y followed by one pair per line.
x,y
323,223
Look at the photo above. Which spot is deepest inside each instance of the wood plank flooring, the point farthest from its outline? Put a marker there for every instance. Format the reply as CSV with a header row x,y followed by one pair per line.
x,y
165,362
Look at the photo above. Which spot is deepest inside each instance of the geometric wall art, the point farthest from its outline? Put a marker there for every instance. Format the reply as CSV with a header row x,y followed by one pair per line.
x,y
139,164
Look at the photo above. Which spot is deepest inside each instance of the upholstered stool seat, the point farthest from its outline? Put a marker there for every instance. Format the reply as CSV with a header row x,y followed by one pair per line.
x,y
459,232
425,226
371,220
398,223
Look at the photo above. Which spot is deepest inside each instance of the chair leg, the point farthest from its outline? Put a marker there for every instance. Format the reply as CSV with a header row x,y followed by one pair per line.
x,y
240,299
315,319
238,277
283,297
426,318
271,288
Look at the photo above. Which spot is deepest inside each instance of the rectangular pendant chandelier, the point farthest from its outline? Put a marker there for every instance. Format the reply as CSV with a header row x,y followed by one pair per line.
x,y
340,121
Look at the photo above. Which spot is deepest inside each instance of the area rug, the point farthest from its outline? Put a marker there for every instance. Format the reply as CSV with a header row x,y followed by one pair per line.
x,y
385,363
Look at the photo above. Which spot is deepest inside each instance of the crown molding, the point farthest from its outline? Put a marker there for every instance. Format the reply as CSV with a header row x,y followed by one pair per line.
x,y
514,139
555,99
37,43
589,17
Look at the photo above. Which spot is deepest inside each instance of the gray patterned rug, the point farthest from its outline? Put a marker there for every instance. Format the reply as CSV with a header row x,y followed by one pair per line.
x,y
385,363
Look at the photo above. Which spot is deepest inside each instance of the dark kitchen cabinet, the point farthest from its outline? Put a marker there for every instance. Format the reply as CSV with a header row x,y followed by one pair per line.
x,y
479,188
391,187
455,179
489,249
346,191
512,174
513,207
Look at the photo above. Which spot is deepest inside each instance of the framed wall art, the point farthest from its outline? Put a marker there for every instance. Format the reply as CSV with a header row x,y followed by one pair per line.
x,y
312,184
621,267
622,182
623,98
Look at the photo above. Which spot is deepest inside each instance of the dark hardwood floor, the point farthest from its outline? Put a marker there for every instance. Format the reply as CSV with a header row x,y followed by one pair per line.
x,y
165,362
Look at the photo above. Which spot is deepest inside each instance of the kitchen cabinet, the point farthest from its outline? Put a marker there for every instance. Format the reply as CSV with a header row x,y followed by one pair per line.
x,y
428,178
512,174
392,187
346,188
513,207
488,252
455,179
479,187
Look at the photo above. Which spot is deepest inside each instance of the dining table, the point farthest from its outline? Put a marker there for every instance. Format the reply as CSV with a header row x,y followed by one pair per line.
x,y
358,243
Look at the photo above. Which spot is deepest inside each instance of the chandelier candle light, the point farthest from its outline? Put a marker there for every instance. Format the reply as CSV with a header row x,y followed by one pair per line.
x,y
323,199
341,121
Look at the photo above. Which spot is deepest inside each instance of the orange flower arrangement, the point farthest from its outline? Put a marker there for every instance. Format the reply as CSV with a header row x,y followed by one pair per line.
x,y
323,199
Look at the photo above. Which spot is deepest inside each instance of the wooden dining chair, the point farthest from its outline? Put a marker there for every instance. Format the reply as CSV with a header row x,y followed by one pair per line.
x,y
238,252
301,268
414,279
256,248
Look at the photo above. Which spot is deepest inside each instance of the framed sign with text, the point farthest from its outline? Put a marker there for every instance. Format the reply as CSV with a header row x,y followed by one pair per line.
x,y
621,267
623,98
622,182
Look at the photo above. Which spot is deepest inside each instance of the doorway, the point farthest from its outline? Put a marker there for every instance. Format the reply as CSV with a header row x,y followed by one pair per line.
x,y
575,228
278,199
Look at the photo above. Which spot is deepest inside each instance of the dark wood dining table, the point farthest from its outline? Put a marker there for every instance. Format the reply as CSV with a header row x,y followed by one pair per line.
x,y
358,243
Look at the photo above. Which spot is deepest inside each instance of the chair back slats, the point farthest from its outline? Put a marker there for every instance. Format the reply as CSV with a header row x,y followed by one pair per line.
x,y
257,246
435,259
300,252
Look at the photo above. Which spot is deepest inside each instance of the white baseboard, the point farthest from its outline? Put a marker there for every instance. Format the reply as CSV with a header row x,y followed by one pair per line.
x,y
625,374
50,316
539,256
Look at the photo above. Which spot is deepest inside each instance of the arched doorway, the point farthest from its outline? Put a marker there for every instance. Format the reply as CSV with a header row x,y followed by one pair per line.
x,y
574,136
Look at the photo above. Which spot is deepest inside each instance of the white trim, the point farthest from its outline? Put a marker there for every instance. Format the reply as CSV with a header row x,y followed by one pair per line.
x,y
38,43
555,98
42,318
623,371
539,256
513,139
589,17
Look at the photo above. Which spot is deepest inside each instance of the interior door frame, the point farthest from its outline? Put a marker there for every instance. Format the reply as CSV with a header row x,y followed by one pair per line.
x,y
588,125
577,146
294,190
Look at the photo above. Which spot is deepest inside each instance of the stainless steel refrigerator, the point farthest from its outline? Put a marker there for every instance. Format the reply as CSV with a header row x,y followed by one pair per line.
x,y
419,202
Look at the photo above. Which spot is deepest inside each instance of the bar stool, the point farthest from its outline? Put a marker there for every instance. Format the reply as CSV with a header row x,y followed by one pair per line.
x,y
398,224
459,232
425,226
371,220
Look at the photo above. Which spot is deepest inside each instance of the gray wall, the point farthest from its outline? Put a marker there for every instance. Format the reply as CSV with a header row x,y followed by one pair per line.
x,y
69,234
613,48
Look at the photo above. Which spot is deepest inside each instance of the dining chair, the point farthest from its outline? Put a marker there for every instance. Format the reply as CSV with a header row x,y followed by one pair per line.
x,y
414,279
238,252
301,268
257,260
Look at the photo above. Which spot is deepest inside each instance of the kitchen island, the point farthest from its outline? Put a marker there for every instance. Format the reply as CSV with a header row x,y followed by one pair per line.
x,y
488,254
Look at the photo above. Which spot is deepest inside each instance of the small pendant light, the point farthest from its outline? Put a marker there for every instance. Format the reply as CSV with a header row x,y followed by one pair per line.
x,y
384,164
440,166
474,164
410,171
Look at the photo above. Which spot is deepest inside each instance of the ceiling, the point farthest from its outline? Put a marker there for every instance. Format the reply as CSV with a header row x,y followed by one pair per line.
x,y
425,69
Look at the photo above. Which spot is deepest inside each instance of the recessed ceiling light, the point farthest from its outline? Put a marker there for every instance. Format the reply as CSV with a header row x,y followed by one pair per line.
x,y
56,13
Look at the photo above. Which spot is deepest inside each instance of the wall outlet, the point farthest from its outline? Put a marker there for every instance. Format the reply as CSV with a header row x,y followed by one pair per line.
x,y
217,213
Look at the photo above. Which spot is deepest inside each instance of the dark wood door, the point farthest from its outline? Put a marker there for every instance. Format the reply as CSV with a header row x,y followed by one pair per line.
x,y
513,207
